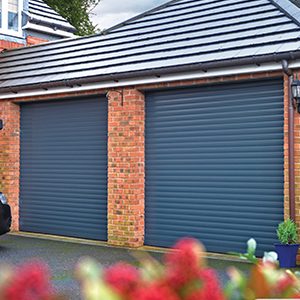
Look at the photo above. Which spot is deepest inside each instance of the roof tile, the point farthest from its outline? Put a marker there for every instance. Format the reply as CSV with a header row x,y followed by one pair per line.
x,y
181,33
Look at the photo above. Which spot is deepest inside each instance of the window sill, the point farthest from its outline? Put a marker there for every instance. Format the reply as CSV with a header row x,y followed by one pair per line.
x,y
11,33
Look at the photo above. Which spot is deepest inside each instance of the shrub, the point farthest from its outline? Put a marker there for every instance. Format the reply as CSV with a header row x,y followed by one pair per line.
x,y
287,232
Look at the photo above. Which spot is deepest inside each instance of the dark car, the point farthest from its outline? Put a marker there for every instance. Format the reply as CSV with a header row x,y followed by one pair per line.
x,y
5,215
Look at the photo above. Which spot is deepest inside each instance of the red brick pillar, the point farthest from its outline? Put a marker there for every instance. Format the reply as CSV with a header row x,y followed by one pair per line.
x,y
9,157
126,168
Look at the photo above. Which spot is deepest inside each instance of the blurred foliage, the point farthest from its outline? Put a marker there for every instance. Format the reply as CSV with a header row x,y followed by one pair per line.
x,y
183,275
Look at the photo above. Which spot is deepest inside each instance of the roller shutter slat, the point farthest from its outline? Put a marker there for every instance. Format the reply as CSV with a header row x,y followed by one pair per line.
x,y
63,181
214,164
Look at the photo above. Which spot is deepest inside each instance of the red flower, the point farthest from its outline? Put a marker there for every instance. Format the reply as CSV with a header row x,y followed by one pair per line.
x,y
283,284
183,264
123,278
210,286
156,291
30,281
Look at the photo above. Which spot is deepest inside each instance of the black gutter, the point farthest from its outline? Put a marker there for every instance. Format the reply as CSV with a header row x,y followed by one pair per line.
x,y
204,67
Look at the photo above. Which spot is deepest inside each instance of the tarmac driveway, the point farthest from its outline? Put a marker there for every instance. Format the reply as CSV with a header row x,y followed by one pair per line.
x,y
62,257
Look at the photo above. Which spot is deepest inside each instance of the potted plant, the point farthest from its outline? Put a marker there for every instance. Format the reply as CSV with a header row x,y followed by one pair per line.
x,y
287,249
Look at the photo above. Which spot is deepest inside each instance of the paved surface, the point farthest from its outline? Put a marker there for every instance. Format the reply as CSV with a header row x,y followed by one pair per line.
x,y
62,257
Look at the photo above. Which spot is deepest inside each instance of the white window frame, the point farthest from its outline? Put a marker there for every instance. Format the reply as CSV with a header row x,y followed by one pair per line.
x,y
4,17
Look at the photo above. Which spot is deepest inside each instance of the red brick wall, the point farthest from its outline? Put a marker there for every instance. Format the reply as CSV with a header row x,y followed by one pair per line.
x,y
126,157
126,168
9,156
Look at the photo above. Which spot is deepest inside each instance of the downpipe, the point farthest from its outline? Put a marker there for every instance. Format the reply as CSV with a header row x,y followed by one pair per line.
x,y
291,151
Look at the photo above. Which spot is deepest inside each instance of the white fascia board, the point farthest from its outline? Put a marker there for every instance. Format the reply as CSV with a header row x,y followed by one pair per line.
x,y
48,30
275,66
294,64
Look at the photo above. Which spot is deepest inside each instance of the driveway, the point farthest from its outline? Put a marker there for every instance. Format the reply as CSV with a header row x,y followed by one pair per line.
x,y
62,257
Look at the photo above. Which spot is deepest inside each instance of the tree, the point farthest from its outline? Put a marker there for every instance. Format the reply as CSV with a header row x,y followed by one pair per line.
x,y
77,13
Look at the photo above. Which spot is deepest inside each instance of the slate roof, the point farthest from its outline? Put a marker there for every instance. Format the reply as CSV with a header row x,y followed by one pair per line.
x,y
182,35
42,14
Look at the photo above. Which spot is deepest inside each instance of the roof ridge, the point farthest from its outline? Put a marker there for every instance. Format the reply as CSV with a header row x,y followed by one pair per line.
x,y
139,16
289,8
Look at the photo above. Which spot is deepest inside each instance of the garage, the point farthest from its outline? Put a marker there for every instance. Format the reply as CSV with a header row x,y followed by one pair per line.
x,y
63,167
215,164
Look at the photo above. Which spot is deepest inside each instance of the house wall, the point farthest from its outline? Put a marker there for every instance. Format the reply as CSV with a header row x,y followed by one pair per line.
x,y
9,156
126,154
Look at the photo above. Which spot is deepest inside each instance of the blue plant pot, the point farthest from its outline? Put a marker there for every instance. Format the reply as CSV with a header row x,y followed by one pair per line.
x,y
287,254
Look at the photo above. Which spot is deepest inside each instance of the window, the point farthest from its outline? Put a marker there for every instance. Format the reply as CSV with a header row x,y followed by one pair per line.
x,y
0,13
10,17
13,20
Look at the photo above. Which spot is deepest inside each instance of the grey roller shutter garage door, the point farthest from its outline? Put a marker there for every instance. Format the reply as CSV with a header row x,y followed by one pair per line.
x,y
214,165
63,176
